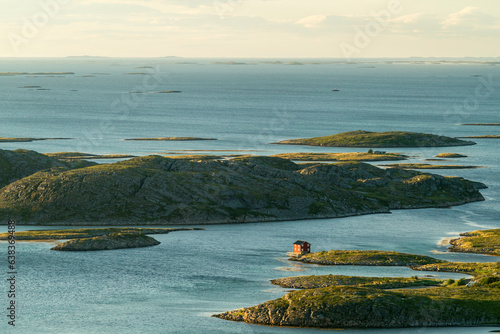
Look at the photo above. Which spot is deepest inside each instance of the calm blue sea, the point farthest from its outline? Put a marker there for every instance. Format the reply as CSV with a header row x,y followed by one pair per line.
x,y
176,286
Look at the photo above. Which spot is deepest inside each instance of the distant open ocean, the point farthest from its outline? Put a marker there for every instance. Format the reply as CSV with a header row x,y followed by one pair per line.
x,y
246,104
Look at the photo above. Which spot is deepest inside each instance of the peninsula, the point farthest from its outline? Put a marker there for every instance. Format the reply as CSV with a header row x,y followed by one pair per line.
x,y
160,190
379,139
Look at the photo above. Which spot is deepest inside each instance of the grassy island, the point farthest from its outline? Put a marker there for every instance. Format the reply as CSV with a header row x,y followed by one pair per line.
x,y
172,139
333,301
450,155
379,139
429,166
160,190
355,156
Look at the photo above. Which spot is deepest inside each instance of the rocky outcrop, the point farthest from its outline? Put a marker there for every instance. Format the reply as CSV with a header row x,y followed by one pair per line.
x,y
159,190
107,242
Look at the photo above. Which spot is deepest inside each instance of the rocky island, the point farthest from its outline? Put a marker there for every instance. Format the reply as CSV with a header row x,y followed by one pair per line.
x,y
379,139
375,302
160,190
107,242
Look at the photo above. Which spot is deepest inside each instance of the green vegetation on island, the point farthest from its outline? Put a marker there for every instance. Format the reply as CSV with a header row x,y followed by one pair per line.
x,y
429,166
355,156
450,155
159,190
172,139
379,139
484,242
372,302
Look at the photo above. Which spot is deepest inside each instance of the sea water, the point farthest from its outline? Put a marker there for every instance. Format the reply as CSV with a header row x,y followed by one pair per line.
x,y
176,287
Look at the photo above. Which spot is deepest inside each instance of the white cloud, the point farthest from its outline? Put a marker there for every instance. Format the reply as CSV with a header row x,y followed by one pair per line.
x,y
469,17
312,21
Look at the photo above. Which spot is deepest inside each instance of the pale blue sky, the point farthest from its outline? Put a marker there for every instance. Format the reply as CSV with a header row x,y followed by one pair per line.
x,y
250,28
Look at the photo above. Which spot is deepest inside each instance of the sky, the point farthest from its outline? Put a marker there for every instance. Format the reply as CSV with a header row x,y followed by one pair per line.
x,y
250,28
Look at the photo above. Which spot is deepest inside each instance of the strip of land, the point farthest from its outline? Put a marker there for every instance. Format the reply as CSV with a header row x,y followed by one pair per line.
x,y
88,232
83,156
429,166
171,139
26,139
483,124
484,137
355,156
8,74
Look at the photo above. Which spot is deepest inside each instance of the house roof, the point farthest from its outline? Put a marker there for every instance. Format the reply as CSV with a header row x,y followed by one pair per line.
x,y
300,242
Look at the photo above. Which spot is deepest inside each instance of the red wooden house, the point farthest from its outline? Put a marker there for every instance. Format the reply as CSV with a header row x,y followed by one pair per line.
x,y
302,247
